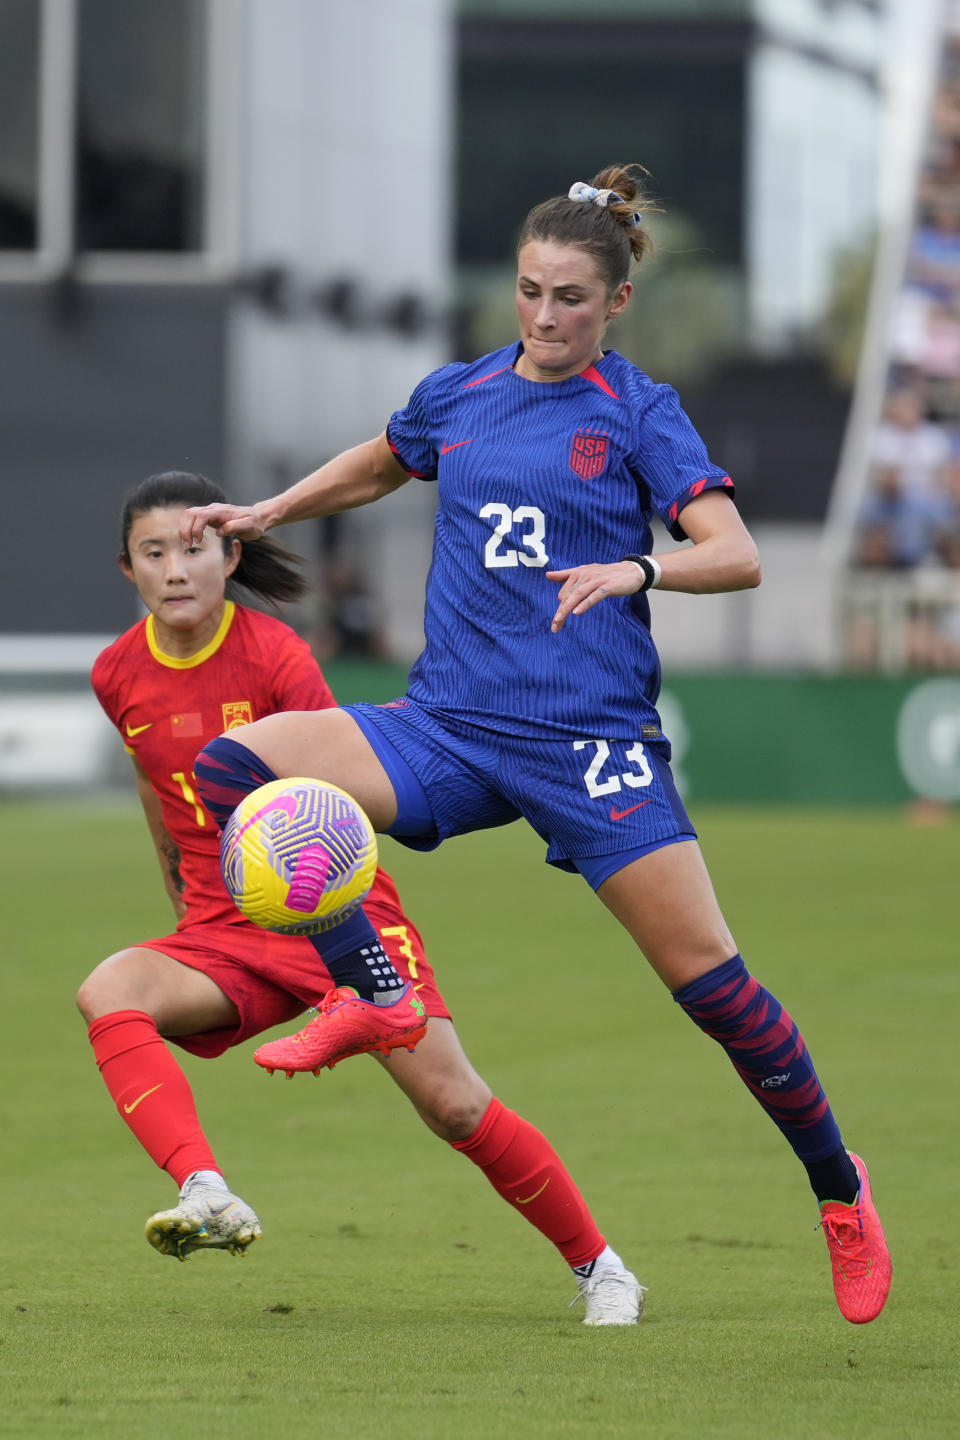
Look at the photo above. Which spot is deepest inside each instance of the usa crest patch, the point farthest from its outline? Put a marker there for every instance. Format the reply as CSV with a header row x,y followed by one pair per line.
x,y
588,454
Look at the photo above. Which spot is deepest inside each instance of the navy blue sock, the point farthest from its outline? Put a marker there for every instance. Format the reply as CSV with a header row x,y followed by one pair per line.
x,y
226,771
769,1055
354,955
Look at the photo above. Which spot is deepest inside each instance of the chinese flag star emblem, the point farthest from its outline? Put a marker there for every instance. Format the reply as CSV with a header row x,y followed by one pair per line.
x,y
183,727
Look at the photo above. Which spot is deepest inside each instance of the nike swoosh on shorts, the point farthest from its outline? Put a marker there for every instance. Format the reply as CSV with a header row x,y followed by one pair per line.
x,y
619,814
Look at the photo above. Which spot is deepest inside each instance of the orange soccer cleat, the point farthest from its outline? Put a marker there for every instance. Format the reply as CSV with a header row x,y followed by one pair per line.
x,y
858,1253
347,1025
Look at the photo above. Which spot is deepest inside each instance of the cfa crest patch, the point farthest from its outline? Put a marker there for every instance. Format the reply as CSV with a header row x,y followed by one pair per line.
x,y
236,712
588,454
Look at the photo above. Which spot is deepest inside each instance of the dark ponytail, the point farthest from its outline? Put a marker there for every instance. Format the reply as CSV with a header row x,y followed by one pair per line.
x,y
267,570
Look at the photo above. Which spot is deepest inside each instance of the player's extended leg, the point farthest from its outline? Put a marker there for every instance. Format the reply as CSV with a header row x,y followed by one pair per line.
x,y
327,745
370,1007
521,1165
666,901
128,1002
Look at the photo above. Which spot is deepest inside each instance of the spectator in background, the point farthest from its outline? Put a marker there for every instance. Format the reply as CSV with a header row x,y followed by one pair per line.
x,y
941,177
933,635
899,525
942,629
915,533
934,260
947,548
939,353
907,611
909,443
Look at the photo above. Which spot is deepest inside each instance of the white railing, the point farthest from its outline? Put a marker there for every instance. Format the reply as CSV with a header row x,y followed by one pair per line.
x,y
901,621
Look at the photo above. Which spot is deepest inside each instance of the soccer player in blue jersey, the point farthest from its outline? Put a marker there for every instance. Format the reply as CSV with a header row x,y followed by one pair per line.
x,y
536,692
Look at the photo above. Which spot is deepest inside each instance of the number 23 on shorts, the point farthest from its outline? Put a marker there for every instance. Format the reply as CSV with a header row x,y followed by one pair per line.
x,y
598,785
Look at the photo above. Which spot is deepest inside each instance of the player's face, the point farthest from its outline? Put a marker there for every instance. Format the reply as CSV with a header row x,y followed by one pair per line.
x,y
564,306
181,585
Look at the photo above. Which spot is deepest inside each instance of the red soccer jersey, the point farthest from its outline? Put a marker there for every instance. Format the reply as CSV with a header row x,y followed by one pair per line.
x,y
167,709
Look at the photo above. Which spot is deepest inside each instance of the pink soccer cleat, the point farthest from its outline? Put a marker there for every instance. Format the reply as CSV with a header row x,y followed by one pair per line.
x,y
858,1253
345,1026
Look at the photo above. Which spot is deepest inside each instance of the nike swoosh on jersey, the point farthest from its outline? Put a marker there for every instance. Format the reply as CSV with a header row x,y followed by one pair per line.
x,y
445,449
619,814
137,729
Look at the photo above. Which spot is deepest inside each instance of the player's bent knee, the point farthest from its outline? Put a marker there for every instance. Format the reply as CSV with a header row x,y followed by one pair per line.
x,y
682,967
123,981
454,1112
99,993
84,1002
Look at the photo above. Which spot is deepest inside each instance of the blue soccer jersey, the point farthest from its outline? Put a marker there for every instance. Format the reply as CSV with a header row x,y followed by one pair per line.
x,y
534,477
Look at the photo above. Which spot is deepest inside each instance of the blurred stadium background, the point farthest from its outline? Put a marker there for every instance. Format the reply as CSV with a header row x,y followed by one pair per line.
x,y
234,233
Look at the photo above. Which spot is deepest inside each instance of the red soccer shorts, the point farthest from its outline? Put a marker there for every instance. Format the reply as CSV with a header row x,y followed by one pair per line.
x,y
273,978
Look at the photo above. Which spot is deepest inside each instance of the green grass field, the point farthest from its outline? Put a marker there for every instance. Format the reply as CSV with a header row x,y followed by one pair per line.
x,y
394,1295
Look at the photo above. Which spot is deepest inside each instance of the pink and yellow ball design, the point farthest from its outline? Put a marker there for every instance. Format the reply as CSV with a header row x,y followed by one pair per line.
x,y
298,856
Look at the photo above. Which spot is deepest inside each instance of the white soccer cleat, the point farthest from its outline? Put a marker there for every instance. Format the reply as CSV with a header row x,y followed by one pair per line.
x,y
611,1297
207,1218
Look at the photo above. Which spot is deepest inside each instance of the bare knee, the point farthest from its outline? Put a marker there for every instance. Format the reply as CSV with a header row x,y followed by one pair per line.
x,y
180,999
453,1112
113,985
92,1001
86,1002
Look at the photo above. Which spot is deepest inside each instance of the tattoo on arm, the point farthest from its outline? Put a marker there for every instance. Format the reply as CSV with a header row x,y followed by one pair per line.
x,y
171,856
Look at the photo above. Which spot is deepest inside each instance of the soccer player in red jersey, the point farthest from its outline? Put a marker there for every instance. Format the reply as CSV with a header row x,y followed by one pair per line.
x,y
200,663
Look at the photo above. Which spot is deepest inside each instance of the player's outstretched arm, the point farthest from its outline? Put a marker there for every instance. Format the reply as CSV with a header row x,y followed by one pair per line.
x,y
356,477
722,557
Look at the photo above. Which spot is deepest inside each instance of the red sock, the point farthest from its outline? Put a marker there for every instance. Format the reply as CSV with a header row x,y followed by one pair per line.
x,y
152,1094
524,1168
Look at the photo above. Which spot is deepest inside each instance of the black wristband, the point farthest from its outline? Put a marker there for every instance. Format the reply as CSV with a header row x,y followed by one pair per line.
x,y
649,574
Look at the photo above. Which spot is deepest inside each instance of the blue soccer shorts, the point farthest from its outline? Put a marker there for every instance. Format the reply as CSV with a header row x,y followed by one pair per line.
x,y
597,803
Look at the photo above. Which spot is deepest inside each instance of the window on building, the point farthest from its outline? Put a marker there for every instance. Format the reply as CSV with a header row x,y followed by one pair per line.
x,y
106,134
19,169
140,133
582,96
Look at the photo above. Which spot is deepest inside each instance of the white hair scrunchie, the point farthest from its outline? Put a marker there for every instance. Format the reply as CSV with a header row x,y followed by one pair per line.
x,y
588,194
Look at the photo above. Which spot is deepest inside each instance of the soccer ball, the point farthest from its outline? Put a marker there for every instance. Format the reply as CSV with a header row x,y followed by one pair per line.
x,y
298,856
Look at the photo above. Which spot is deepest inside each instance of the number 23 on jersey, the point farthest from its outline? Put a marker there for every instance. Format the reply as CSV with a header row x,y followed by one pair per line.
x,y
532,524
